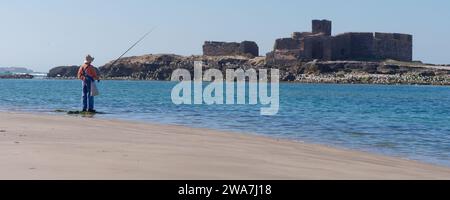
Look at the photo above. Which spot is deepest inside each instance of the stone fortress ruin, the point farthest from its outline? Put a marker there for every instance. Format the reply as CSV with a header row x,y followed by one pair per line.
x,y
321,45
306,57
246,48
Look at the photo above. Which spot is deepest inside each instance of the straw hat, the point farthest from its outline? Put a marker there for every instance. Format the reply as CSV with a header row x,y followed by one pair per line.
x,y
89,59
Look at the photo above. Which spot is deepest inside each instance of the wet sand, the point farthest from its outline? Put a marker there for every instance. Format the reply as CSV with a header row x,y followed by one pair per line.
x,y
53,147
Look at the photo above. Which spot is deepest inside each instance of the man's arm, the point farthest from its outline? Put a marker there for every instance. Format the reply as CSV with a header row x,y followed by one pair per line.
x,y
80,73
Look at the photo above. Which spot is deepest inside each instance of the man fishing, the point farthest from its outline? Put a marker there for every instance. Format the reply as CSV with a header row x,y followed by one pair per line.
x,y
88,75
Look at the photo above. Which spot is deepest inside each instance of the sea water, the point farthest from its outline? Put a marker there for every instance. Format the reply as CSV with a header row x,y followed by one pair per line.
x,y
410,122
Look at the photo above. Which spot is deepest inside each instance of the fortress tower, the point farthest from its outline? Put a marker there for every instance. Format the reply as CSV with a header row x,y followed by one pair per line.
x,y
322,26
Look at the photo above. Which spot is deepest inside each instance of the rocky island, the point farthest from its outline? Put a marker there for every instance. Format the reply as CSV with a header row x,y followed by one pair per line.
x,y
305,57
15,73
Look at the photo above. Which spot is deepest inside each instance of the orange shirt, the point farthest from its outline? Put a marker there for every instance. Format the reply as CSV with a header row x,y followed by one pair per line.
x,y
89,70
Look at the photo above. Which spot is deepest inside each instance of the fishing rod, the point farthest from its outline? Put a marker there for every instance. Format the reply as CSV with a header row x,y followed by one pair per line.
x,y
140,40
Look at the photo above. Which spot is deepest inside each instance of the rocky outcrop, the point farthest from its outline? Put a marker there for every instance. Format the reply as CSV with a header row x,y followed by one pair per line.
x,y
65,72
349,70
161,66
328,67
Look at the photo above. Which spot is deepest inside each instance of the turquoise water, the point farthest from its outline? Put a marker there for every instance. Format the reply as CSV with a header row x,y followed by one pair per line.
x,y
406,121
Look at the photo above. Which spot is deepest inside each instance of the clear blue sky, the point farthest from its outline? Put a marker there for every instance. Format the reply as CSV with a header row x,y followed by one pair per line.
x,y
41,34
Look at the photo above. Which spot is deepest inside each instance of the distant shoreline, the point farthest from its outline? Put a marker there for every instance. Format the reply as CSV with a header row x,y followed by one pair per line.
x,y
17,76
350,79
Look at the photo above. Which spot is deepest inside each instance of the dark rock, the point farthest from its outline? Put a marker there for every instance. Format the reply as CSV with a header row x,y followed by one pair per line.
x,y
428,73
288,77
388,69
65,72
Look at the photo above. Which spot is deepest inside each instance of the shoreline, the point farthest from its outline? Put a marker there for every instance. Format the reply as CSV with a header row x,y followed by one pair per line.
x,y
321,79
99,116
67,147
385,72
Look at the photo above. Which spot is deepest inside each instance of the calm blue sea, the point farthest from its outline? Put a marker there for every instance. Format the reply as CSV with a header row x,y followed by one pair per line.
x,y
406,121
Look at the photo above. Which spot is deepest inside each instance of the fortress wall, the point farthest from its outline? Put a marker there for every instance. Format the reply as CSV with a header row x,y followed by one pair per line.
x,y
318,47
393,46
328,48
367,46
246,48
341,47
362,46
308,46
220,48
287,44
319,44
250,48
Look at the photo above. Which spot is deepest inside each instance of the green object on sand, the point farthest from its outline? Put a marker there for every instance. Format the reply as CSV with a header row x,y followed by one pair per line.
x,y
81,113
78,112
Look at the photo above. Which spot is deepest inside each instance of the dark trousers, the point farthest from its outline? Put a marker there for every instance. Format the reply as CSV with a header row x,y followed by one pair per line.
x,y
88,99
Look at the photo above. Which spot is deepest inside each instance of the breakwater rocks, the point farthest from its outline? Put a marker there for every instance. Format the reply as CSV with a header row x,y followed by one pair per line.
x,y
161,66
385,79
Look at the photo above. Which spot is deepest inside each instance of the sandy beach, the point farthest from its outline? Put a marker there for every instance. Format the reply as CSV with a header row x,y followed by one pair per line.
x,y
66,147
